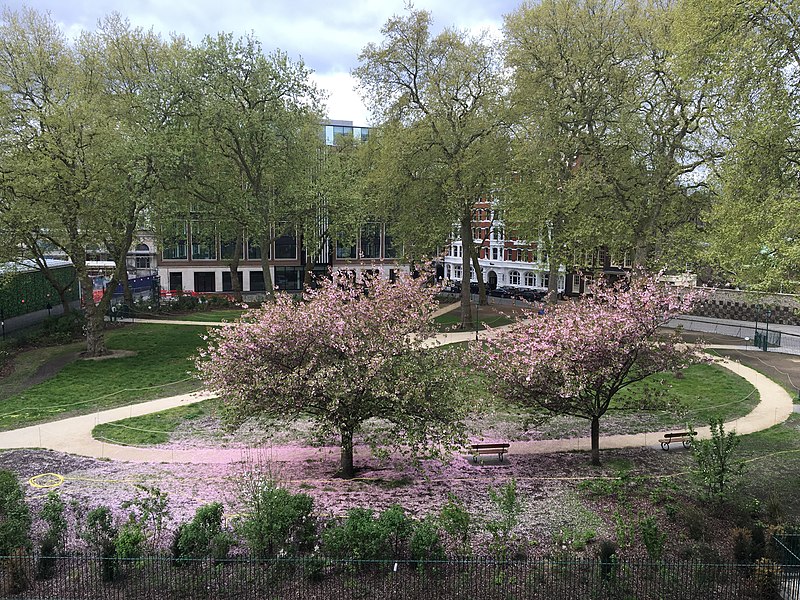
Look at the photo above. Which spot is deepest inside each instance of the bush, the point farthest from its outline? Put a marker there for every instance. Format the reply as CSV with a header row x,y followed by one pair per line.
x,y
64,329
457,522
130,541
15,517
278,522
362,536
203,536
150,510
652,537
426,543
100,534
54,537
717,468
694,520
607,553
509,506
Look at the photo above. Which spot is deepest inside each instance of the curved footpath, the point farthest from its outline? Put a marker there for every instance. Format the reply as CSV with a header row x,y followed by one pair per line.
x,y
74,435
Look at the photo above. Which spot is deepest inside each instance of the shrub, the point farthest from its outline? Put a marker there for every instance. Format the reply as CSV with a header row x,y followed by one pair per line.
x,y
457,523
15,517
694,520
54,537
742,542
607,553
63,329
426,543
362,536
652,537
150,510
509,506
277,521
717,468
130,541
203,536
100,533
767,577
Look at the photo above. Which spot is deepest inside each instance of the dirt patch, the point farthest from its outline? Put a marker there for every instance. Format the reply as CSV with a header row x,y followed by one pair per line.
x,y
110,355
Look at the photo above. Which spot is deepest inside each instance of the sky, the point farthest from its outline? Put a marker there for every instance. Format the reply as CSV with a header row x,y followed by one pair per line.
x,y
327,35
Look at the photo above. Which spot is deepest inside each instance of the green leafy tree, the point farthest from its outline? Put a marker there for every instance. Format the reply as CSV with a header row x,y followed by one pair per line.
x,y
256,127
441,97
15,518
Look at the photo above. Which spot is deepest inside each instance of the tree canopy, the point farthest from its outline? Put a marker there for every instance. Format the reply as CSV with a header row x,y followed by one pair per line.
x,y
347,353
576,357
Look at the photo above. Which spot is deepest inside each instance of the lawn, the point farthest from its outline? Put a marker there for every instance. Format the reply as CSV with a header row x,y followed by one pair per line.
x,y
211,316
703,391
27,363
152,429
160,367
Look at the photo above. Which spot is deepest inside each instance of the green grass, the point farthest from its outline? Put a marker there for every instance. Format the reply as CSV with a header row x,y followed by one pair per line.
x,y
160,368
772,466
703,392
28,362
151,429
212,316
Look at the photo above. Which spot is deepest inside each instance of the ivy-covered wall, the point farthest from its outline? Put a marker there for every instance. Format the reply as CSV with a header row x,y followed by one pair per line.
x,y
27,292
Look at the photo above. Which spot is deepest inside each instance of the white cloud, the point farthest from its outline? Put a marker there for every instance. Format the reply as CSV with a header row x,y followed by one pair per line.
x,y
343,103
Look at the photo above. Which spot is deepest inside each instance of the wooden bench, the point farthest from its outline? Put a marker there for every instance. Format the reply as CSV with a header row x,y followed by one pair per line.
x,y
684,437
478,449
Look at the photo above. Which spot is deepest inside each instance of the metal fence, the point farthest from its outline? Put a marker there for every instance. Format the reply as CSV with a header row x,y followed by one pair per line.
x,y
78,577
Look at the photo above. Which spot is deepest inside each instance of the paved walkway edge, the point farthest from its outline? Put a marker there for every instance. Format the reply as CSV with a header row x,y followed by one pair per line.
x,y
74,435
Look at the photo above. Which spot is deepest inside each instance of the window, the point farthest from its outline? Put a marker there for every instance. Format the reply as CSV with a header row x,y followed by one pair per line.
x,y
494,253
142,248
546,280
561,282
204,281
227,281
456,272
576,283
288,278
530,279
345,249
286,246
175,241
204,245
253,249
370,240
513,278
257,281
142,262
447,272
176,281
389,249
228,249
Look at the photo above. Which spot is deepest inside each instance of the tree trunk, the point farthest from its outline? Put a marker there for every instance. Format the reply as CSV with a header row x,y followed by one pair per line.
x,y
308,270
552,281
478,275
346,464
596,441
265,267
127,294
466,243
236,283
95,335
62,297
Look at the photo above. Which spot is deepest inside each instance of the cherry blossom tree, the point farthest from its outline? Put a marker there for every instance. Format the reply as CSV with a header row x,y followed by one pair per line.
x,y
346,353
573,359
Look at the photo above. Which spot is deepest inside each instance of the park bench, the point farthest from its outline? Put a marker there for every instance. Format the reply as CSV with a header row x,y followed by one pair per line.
x,y
478,449
684,437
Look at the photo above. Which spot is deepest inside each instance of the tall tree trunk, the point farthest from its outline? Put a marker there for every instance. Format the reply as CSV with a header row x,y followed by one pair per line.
x,y
236,283
478,275
127,293
62,297
308,270
346,463
466,243
265,267
596,441
95,335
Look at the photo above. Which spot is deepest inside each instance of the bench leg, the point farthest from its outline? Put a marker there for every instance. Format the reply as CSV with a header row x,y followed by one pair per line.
x,y
500,456
687,443
665,446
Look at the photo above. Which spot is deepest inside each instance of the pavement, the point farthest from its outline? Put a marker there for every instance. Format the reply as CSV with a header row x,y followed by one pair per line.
x,y
74,435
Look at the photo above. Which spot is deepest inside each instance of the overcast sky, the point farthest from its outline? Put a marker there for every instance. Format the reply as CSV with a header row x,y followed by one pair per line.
x,y
327,35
